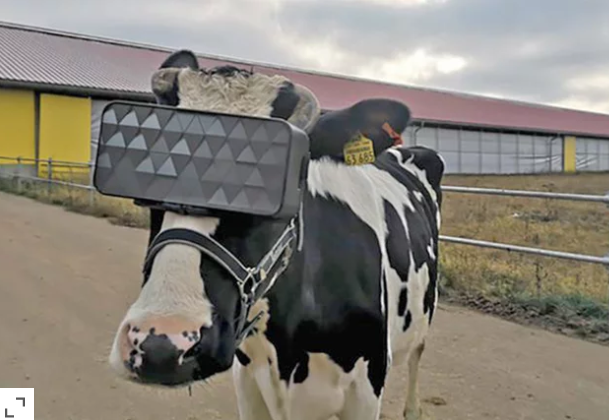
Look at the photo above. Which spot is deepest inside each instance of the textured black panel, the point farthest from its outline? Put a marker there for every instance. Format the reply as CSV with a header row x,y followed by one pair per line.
x,y
168,155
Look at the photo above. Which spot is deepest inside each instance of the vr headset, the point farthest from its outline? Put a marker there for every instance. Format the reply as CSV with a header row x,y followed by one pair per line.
x,y
198,162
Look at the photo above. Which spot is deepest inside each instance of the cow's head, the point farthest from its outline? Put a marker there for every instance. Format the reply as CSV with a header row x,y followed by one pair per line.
x,y
182,326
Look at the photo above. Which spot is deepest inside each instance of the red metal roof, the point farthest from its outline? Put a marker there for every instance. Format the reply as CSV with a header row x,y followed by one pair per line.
x,y
45,57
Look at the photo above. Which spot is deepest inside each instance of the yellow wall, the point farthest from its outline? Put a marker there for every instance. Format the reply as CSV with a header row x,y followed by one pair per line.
x,y
65,130
569,154
17,124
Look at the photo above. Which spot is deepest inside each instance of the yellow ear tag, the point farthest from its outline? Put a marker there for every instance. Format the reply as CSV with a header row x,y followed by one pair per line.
x,y
359,151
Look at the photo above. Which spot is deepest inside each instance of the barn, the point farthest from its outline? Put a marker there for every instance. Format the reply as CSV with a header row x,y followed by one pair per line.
x,y
53,86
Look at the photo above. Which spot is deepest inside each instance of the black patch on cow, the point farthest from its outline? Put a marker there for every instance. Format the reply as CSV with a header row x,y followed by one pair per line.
x,y
156,222
403,301
407,321
397,242
302,370
181,59
329,299
171,96
242,358
286,101
228,71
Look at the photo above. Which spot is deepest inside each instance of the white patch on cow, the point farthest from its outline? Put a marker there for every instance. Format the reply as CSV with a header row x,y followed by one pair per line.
x,y
329,391
430,252
251,95
262,371
174,286
360,401
301,229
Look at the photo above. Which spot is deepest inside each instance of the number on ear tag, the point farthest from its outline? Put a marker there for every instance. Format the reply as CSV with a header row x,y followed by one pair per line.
x,y
359,151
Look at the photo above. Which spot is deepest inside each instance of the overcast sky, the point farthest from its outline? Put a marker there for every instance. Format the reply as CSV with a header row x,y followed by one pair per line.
x,y
548,51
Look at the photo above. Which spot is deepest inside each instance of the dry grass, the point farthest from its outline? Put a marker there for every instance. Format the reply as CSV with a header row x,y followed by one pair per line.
x,y
117,210
559,225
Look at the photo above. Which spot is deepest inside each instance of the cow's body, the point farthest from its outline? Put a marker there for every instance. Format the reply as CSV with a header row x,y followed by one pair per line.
x,y
357,296
361,291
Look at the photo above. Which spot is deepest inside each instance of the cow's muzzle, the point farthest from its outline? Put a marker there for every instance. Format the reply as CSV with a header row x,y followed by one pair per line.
x,y
161,351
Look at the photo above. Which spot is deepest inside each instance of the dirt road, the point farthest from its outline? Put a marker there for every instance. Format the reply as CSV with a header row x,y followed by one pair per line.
x,y
66,280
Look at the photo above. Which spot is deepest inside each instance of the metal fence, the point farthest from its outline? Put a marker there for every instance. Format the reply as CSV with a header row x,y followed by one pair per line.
x,y
530,194
54,170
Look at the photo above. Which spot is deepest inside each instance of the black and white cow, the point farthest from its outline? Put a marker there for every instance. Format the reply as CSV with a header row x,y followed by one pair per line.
x,y
359,288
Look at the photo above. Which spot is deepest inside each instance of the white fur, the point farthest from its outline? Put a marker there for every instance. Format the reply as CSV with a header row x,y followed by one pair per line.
x,y
252,95
174,286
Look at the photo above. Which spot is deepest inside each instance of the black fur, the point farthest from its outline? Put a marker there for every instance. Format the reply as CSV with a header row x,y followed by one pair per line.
x,y
286,101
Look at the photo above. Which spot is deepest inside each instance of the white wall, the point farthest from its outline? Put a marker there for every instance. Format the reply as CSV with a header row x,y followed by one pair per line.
x,y
469,151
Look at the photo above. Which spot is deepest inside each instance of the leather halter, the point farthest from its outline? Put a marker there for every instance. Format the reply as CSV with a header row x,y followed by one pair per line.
x,y
250,281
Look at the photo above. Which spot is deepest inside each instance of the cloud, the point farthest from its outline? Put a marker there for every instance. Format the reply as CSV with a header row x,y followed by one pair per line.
x,y
515,49
548,51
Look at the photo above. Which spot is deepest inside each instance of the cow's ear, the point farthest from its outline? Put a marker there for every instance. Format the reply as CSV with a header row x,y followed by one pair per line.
x,y
380,120
164,81
296,104
181,59
374,113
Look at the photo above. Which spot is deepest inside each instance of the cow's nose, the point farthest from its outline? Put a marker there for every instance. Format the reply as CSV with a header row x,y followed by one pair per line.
x,y
157,346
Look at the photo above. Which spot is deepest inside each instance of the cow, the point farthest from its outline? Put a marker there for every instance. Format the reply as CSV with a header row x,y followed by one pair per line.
x,y
351,293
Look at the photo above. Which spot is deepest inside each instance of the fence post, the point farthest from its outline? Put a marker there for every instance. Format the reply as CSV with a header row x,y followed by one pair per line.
x,y
91,192
19,174
49,174
607,268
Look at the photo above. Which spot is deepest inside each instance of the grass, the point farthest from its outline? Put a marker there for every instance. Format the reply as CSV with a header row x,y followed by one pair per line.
x,y
577,227
564,295
117,210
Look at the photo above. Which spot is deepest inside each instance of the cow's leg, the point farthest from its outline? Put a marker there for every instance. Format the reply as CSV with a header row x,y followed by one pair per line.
x,y
361,403
412,409
249,398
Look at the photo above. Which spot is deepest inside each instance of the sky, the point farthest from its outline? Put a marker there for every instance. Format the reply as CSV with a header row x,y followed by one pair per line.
x,y
554,52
